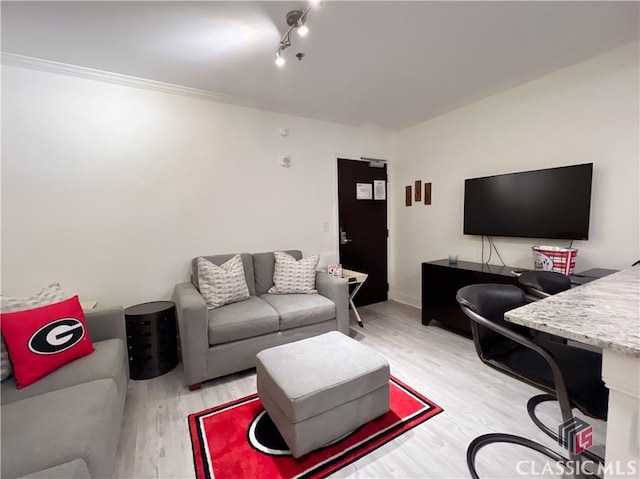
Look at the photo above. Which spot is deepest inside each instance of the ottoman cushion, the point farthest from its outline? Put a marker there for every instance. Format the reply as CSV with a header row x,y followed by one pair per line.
x,y
315,375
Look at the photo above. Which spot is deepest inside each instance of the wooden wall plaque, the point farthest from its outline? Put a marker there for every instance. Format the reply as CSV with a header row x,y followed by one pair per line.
x,y
418,191
407,196
427,193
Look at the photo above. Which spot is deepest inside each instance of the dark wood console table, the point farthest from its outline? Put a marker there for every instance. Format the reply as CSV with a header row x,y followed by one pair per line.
x,y
441,281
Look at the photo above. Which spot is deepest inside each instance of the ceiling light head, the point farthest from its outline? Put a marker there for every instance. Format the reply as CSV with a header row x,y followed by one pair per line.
x,y
315,3
303,30
284,43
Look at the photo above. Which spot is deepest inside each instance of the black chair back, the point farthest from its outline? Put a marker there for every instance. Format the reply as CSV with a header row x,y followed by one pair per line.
x,y
544,283
491,301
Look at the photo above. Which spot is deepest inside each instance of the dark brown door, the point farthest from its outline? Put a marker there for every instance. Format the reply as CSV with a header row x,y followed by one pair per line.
x,y
363,225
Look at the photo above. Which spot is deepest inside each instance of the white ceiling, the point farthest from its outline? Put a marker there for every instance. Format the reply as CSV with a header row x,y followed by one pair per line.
x,y
390,64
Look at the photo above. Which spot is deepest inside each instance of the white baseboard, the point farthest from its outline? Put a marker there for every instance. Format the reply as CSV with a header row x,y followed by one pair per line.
x,y
405,299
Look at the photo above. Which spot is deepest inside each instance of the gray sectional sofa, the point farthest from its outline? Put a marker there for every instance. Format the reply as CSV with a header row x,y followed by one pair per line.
x,y
226,340
67,424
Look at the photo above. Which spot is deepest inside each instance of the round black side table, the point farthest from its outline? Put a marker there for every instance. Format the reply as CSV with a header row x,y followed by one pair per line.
x,y
151,339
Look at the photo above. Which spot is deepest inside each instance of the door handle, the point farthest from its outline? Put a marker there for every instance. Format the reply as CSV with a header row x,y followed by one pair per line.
x,y
343,237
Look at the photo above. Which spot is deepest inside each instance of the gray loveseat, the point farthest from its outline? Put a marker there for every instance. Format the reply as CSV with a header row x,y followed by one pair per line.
x,y
67,424
226,340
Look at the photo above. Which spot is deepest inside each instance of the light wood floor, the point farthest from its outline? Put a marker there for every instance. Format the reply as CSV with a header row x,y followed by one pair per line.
x,y
443,366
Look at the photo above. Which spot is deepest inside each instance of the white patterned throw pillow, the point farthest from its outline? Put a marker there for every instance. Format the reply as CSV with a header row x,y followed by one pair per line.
x,y
292,276
224,284
8,304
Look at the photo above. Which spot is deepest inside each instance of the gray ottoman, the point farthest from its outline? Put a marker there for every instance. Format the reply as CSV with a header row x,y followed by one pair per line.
x,y
319,389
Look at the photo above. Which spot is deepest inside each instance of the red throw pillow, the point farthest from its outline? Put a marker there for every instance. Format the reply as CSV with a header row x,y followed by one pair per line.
x,y
41,340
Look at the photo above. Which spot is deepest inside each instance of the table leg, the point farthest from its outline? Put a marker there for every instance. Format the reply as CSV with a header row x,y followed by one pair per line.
x,y
621,375
353,306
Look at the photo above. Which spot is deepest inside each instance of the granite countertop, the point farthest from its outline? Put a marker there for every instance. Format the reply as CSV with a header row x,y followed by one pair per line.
x,y
604,313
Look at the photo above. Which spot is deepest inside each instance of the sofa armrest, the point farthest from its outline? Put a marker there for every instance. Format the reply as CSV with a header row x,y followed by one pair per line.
x,y
106,323
337,290
191,312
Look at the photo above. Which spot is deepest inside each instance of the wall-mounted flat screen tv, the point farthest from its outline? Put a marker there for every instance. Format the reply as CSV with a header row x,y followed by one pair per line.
x,y
552,203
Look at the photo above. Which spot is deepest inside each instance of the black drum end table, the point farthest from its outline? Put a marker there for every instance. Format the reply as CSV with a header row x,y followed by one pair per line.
x,y
151,339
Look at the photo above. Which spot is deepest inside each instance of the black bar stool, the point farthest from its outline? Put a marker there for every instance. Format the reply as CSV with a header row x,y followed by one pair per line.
x,y
569,374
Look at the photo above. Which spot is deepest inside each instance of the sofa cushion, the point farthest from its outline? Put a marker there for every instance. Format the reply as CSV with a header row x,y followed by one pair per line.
x,y
300,309
109,360
224,284
47,430
247,264
292,276
47,295
246,319
264,266
43,339
76,469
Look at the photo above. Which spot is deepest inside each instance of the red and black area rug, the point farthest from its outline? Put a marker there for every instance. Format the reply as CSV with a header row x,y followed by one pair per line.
x,y
238,439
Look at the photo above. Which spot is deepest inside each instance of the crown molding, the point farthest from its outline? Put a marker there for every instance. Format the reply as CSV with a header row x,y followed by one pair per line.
x,y
49,66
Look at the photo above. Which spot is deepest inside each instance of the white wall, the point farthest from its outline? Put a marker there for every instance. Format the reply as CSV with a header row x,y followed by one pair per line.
x,y
111,190
585,113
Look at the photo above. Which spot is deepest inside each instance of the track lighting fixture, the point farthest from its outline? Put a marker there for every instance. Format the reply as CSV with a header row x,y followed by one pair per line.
x,y
295,19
